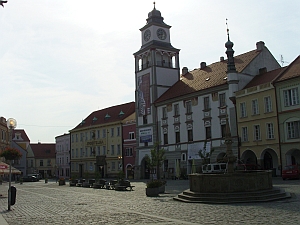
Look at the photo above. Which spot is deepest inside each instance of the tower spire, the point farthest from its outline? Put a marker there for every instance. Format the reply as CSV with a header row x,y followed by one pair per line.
x,y
229,53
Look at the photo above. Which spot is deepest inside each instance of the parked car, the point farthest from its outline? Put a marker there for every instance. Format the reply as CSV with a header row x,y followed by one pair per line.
x,y
291,172
214,168
30,179
37,175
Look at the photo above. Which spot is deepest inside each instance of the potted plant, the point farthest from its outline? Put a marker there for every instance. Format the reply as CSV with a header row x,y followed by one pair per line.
x,y
152,189
11,154
61,181
154,162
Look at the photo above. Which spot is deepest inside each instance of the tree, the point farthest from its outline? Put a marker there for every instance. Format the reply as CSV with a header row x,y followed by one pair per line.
x,y
156,158
205,156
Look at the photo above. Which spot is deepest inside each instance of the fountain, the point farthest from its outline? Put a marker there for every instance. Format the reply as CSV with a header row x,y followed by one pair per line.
x,y
232,186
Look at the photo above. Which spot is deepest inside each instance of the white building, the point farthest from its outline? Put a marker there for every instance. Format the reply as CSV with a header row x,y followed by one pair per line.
x,y
62,150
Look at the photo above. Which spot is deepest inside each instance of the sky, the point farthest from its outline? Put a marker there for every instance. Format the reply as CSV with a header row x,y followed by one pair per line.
x,y
62,60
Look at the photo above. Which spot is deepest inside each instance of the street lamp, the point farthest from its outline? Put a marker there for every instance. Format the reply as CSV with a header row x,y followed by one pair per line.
x,y
11,124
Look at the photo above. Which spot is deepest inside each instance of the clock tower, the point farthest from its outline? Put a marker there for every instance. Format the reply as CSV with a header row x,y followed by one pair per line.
x,y
156,70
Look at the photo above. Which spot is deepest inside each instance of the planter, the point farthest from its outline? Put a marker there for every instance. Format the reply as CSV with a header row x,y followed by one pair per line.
x,y
152,192
61,182
162,189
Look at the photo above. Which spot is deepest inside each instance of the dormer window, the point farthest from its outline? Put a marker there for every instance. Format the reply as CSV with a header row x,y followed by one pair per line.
x,y
121,113
94,119
107,116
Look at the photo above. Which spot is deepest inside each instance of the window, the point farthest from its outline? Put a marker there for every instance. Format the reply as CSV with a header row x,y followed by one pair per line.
x,y
118,149
113,166
81,136
255,107
291,97
112,130
131,135
166,139
128,152
243,109
81,152
31,163
76,137
222,102
103,150
91,151
188,106
145,121
98,150
270,131
256,133
104,133
206,103
190,135
244,134
76,153
86,152
293,129
118,131
164,112
208,132
49,162
268,104
41,162
176,110
223,130
166,165
177,137
112,149
72,153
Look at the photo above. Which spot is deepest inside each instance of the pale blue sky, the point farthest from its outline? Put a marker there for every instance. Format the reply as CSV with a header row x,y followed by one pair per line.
x,y
60,60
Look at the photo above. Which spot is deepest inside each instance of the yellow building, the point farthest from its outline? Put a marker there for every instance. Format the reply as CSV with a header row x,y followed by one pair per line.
x,y
257,122
96,143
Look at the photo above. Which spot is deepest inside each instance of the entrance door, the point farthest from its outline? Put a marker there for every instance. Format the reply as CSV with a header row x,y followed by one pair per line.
x,y
268,161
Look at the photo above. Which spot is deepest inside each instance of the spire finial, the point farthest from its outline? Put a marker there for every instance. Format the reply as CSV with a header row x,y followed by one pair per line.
x,y
154,4
227,28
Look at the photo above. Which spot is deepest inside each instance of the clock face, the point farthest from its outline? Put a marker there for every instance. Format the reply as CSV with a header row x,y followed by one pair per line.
x,y
147,35
161,34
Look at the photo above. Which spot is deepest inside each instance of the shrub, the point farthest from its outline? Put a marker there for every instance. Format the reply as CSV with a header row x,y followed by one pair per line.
x,y
11,154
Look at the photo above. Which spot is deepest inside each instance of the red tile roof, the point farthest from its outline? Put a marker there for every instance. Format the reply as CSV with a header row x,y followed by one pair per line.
x,y
23,135
293,70
210,76
108,115
43,151
264,78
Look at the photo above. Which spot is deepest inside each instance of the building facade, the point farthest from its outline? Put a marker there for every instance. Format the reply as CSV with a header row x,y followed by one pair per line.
x,y
257,122
129,146
62,150
4,134
97,143
45,161
288,101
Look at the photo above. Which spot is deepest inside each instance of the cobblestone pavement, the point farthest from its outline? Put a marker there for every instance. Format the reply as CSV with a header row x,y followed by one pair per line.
x,y
40,203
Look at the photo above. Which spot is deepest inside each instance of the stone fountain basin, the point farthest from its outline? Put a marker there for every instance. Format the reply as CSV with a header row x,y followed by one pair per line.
x,y
239,181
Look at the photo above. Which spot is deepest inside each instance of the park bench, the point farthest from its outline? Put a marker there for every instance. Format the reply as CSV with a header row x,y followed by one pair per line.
x,y
124,185
111,184
99,184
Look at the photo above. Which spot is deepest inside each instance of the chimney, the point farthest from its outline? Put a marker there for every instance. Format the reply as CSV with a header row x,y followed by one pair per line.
x,y
221,58
260,45
202,65
184,70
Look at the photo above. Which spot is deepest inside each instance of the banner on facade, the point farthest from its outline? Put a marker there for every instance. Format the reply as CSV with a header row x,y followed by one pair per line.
x,y
145,134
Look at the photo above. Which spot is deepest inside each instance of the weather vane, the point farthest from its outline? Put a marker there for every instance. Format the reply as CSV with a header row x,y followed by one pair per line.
x,y
2,2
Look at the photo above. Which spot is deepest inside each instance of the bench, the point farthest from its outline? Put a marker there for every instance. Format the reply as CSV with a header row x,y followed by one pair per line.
x,y
100,184
123,186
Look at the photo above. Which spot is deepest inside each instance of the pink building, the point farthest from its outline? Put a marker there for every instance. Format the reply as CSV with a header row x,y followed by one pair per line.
x,y
129,146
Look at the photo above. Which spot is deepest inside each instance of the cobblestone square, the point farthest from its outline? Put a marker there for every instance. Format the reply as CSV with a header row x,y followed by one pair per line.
x,y
39,203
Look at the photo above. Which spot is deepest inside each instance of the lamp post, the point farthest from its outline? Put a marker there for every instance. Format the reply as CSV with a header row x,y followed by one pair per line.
x,y
11,124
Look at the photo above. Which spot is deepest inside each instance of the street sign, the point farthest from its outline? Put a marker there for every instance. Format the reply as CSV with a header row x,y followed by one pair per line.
x,y
2,167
